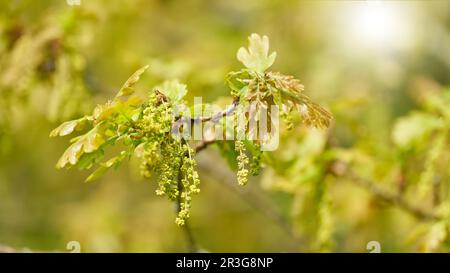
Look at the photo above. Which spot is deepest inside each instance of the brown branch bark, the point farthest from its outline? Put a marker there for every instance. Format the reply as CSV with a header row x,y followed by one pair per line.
x,y
179,121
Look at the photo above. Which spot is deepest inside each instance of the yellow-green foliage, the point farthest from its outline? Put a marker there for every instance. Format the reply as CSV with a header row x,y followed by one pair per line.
x,y
145,126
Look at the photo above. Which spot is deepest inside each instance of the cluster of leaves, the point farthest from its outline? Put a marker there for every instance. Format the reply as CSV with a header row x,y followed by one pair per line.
x,y
258,90
145,127
110,122
254,85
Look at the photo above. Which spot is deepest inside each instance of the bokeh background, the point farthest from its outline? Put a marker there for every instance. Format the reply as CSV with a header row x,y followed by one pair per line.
x,y
369,62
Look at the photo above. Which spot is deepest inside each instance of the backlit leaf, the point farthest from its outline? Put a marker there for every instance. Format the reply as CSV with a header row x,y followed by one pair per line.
x,y
128,89
173,89
256,57
68,127
104,167
86,143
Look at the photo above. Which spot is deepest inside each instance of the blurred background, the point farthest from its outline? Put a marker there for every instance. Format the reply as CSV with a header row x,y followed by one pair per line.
x,y
381,67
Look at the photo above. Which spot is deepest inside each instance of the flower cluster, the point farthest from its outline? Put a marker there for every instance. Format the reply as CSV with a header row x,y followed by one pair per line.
x,y
177,177
242,159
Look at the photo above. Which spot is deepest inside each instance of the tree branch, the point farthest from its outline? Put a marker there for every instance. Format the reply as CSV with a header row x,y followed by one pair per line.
x,y
203,145
180,120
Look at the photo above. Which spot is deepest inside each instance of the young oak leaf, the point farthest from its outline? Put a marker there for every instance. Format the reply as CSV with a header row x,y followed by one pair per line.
x,y
68,127
127,88
112,108
103,111
104,167
173,89
291,95
256,57
86,143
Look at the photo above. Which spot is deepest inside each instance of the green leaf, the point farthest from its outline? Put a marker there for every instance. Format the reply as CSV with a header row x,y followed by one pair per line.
x,y
236,82
173,89
68,127
229,153
86,143
87,160
256,57
104,167
99,172
103,111
127,89
112,108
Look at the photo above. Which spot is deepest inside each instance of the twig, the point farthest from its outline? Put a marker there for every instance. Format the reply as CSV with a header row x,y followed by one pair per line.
x,y
216,117
180,120
203,145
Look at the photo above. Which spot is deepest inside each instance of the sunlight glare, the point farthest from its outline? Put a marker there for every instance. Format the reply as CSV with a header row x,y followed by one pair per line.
x,y
378,24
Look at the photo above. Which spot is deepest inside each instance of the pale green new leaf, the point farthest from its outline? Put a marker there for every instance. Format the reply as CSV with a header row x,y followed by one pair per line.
x,y
68,127
86,143
236,82
127,88
112,108
173,89
86,161
104,167
103,111
256,57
